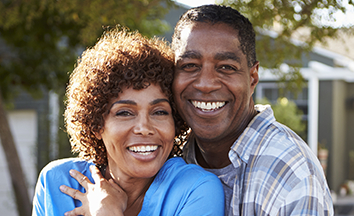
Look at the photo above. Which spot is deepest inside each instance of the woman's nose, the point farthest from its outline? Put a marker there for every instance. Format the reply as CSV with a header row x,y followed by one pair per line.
x,y
144,126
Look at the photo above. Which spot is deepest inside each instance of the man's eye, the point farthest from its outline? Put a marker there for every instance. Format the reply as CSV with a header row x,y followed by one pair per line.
x,y
189,67
124,113
227,67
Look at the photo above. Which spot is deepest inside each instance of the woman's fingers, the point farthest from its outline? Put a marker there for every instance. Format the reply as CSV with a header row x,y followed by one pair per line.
x,y
96,174
83,180
71,192
75,212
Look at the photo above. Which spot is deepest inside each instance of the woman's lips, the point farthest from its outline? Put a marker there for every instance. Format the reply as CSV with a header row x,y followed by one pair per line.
x,y
144,152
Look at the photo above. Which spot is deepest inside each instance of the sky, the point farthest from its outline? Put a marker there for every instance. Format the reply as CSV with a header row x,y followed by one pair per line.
x,y
345,20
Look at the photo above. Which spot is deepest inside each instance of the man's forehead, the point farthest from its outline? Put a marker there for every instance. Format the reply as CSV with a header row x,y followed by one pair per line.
x,y
196,36
182,43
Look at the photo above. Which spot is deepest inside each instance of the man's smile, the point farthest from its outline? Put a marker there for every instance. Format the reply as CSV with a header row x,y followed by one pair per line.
x,y
208,106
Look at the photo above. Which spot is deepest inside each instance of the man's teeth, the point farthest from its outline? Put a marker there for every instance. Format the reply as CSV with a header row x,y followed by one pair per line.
x,y
208,106
145,149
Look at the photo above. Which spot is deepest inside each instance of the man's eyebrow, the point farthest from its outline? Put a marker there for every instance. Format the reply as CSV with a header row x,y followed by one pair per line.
x,y
191,54
227,56
160,100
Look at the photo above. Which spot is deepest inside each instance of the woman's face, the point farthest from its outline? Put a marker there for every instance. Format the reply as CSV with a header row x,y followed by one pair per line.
x,y
138,132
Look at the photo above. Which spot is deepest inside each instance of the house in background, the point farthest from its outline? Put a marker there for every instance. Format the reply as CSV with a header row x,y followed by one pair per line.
x,y
328,106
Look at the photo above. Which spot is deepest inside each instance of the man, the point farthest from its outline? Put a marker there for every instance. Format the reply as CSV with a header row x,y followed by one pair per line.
x,y
265,168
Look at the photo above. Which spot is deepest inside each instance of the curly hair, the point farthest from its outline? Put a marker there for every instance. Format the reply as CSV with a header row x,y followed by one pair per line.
x,y
120,59
214,14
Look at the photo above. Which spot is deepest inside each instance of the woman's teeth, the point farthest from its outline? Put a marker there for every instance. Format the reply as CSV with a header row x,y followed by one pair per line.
x,y
144,150
208,106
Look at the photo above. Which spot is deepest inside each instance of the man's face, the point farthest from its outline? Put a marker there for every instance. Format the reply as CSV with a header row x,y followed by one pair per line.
x,y
213,84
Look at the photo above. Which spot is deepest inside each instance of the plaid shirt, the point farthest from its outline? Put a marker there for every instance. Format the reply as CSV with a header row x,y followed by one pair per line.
x,y
274,172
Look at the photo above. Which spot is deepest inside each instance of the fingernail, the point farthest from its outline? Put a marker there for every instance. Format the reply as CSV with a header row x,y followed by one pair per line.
x,y
62,188
71,172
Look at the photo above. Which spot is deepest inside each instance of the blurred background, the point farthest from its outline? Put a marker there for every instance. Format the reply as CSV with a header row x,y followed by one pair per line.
x,y
305,49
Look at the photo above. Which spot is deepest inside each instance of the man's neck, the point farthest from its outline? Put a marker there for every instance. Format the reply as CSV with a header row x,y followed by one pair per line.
x,y
215,153
212,156
211,160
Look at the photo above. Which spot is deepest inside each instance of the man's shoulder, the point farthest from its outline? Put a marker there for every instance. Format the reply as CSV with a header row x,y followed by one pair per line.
x,y
177,173
179,168
285,157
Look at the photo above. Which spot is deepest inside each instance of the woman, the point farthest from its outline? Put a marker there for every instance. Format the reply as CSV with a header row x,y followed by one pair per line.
x,y
120,116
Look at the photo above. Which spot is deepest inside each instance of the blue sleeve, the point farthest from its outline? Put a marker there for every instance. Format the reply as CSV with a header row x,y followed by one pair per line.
x,y
207,198
48,199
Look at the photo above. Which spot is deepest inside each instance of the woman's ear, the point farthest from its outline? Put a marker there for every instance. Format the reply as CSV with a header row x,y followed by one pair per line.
x,y
98,134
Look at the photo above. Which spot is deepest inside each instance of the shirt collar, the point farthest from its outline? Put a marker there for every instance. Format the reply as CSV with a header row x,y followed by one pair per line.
x,y
246,142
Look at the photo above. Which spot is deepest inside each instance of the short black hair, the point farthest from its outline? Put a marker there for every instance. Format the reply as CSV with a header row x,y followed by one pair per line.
x,y
214,14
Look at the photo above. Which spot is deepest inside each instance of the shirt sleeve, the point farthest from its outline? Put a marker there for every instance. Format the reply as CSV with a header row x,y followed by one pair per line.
x,y
307,198
48,199
207,198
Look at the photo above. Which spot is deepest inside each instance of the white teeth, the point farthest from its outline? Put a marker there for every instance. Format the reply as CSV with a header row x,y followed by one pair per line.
x,y
144,150
208,106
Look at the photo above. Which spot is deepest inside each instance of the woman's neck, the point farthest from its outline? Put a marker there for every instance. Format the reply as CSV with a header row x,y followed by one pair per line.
x,y
135,188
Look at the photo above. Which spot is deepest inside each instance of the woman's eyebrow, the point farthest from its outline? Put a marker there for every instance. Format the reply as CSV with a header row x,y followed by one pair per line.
x,y
159,100
130,102
125,102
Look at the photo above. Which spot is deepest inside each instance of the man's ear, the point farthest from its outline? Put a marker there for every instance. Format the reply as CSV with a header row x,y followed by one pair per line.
x,y
254,75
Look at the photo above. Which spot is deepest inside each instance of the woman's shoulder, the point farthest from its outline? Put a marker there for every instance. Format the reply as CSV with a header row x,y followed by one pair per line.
x,y
63,166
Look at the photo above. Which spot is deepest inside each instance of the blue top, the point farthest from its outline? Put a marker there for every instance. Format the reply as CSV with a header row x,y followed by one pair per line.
x,y
178,189
272,172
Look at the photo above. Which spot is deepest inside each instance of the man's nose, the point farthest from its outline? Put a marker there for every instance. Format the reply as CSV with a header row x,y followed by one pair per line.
x,y
207,80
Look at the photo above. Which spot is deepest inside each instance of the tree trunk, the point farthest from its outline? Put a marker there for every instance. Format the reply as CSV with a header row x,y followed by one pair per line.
x,y
18,179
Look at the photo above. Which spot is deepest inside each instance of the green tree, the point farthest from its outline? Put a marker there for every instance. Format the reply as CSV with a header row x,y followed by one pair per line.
x,y
286,17
40,41
287,113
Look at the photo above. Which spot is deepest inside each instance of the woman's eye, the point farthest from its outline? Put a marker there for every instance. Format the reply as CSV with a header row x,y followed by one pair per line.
x,y
161,112
124,113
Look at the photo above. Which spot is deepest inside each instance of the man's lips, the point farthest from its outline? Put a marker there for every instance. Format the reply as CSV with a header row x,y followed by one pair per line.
x,y
208,106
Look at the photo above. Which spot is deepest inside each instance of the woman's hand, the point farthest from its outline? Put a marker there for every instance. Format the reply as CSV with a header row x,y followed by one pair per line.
x,y
102,198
